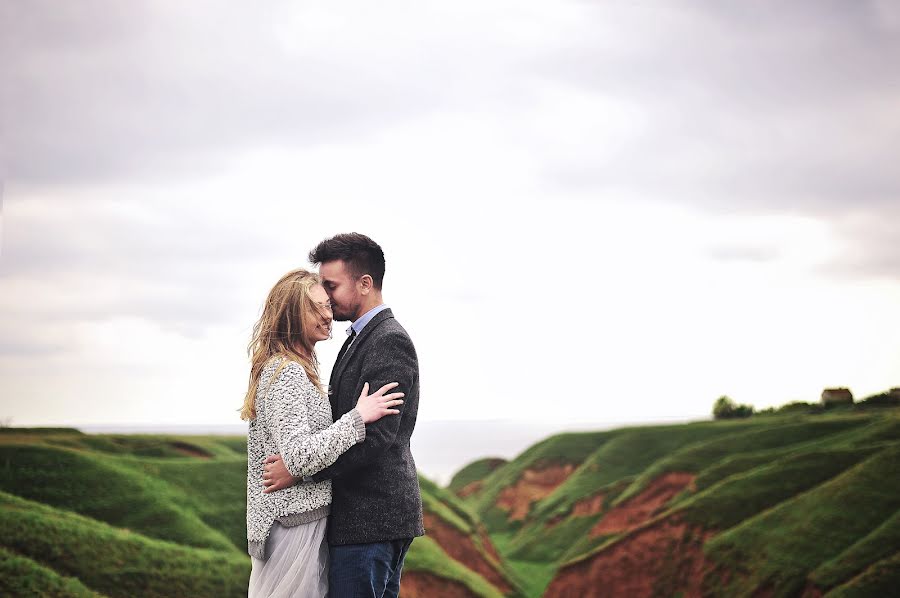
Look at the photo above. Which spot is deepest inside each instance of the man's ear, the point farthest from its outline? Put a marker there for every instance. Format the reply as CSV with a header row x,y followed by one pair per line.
x,y
366,284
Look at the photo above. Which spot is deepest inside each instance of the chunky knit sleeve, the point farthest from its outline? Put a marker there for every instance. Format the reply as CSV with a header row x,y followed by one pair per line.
x,y
287,416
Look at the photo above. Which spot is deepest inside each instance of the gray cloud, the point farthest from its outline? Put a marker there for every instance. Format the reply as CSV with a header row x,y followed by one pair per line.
x,y
743,108
102,238
105,91
732,107
100,261
29,348
751,106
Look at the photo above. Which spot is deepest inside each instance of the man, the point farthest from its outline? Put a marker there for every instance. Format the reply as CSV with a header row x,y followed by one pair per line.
x,y
376,509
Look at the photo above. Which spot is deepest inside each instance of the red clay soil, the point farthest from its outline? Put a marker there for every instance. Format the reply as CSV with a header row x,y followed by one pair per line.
x,y
664,558
811,591
419,584
532,486
589,506
583,508
462,548
642,507
488,545
470,488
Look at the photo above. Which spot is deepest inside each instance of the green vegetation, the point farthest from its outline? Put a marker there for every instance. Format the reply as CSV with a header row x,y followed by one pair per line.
x,y
776,433
880,544
880,579
447,506
534,576
214,490
106,489
890,398
742,496
158,515
39,431
111,561
474,472
563,449
726,408
20,576
607,472
742,471
450,510
779,505
427,556
781,546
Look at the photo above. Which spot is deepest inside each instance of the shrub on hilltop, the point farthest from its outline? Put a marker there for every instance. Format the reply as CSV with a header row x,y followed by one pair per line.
x,y
726,408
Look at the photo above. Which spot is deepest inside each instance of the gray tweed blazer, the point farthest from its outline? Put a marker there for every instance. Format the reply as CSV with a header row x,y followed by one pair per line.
x,y
374,484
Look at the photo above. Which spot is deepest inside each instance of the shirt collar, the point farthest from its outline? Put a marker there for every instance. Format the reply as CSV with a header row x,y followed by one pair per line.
x,y
364,319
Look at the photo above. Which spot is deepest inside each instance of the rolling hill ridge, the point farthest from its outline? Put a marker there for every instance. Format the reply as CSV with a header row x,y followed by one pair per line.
x,y
799,505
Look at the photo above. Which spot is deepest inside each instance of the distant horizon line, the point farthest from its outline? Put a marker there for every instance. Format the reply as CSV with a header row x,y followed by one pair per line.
x,y
220,428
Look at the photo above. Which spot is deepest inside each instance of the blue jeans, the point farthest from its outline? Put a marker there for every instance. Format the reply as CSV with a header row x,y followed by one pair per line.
x,y
366,570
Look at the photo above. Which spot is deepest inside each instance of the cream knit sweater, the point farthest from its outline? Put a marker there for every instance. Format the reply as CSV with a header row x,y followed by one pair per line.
x,y
293,419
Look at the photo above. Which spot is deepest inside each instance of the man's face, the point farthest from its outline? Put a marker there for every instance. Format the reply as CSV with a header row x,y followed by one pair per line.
x,y
342,289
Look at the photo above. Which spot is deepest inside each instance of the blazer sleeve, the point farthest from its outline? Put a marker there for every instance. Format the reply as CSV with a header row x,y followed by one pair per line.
x,y
391,358
287,409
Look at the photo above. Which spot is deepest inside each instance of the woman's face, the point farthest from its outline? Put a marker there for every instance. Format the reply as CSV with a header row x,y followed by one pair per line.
x,y
319,326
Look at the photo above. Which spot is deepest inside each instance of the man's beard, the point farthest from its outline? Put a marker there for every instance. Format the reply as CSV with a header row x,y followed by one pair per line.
x,y
343,316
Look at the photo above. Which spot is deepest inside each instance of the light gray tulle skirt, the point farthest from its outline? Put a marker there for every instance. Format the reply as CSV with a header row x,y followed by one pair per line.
x,y
297,563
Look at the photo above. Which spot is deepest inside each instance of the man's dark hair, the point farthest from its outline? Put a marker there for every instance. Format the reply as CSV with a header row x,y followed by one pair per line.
x,y
361,254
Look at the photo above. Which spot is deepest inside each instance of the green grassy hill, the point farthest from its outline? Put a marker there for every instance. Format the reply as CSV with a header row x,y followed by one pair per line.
x,y
456,536
120,515
469,481
51,546
780,507
783,505
509,491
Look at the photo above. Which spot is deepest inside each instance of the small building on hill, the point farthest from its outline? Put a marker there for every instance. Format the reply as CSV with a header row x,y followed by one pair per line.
x,y
837,396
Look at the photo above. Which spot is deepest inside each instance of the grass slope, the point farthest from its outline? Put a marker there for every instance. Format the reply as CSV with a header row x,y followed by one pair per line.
x,y
878,545
108,489
755,436
878,580
108,560
159,516
25,578
476,471
746,472
214,490
796,503
627,453
426,555
452,511
571,448
780,547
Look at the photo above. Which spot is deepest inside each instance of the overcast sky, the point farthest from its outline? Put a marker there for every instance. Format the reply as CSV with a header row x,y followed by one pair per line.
x,y
591,211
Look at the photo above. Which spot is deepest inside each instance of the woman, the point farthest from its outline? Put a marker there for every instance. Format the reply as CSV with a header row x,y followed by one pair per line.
x,y
289,414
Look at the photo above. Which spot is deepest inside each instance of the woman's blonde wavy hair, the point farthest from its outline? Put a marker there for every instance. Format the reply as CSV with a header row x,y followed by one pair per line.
x,y
282,331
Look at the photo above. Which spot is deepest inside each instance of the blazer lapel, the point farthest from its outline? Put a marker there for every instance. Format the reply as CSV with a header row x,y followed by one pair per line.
x,y
340,357
341,365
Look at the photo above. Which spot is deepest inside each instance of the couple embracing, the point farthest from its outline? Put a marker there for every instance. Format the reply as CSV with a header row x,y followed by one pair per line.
x,y
333,499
